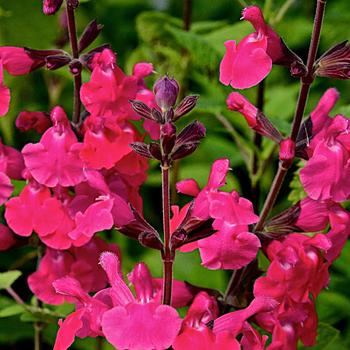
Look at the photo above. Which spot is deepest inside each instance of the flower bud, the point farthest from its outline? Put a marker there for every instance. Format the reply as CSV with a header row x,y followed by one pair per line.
x,y
75,67
50,7
38,121
90,33
166,90
168,137
335,63
255,119
141,149
185,106
54,62
287,149
141,109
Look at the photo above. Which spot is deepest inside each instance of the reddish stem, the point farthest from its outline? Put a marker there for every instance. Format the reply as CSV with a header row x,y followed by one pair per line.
x,y
298,116
167,254
75,53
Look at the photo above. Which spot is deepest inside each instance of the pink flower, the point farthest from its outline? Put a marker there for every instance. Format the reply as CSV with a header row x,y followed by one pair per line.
x,y
136,323
7,238
326,174
246,64
55,159
4,93
33,210
232,246
6,188
38,121
109,90
11,162
105,142
16,61
86,320
79,263
297,270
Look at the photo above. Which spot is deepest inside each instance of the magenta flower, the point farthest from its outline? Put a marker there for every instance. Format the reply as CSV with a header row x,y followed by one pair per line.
x,y
136,323
55,159
4,93
38,121
16,61
79,263
105,142
7,238
86,320
109,90
326,174
232,246
246,64
297,270
6,188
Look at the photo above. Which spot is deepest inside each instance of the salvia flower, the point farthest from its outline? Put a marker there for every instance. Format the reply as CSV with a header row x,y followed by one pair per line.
x,y
50,7
246,64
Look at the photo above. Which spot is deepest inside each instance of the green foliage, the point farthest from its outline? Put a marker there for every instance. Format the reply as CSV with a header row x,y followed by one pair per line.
x,y
8,278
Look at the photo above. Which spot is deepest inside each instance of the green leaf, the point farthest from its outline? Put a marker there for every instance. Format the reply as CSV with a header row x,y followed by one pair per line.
x,y
11,310
8,278
332,307
297,190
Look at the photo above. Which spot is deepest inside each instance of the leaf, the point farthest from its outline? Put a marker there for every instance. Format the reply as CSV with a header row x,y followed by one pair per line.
x,y
297,190
204,27
332,307
8,278
11,310
203,54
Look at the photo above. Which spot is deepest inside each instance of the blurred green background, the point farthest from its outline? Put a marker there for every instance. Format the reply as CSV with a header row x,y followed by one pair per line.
x,y
153,31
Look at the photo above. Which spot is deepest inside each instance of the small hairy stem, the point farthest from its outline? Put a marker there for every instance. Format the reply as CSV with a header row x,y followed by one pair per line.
x,y
167,254
75,53
298,116
257,143
15,296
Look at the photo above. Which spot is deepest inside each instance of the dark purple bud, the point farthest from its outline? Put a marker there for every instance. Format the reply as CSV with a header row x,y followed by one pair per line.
x,y
75,67
141,109
283,223
73,3
90,33
39,56
186,106
298,69
193,132
87,58
150,240
169,115
184,151
168,137
188,140
141,149
157,116
288,57
266,128
335,63
155,151
303,139
141,230
57,61
166,90
50,7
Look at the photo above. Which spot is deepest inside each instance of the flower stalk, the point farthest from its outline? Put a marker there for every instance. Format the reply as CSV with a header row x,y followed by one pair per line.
x,y
75,53
306,82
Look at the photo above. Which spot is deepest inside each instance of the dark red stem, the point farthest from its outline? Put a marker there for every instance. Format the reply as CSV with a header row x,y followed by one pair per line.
x,y
75,53
298,116
167,254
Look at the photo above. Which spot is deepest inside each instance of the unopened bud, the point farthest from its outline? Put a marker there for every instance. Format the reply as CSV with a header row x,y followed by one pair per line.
x,y
287,149
50,7
166,90
141,149
75,67
141,109
168,137
90,33
54,62
185,106
335,63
